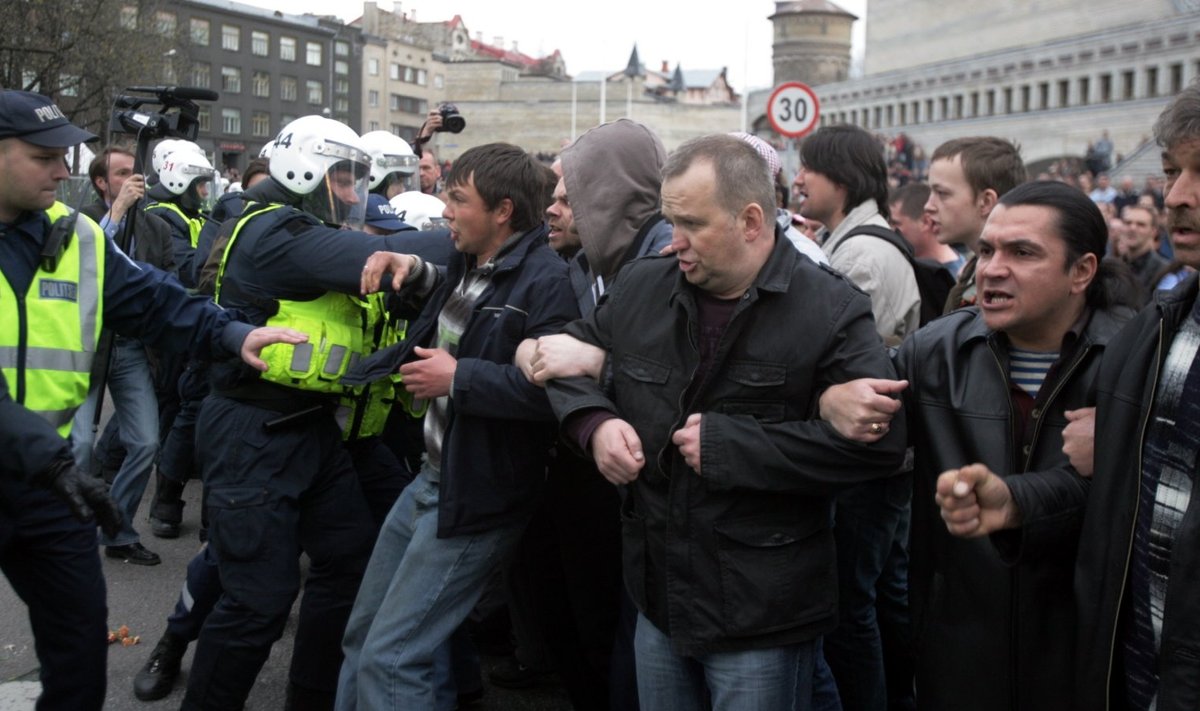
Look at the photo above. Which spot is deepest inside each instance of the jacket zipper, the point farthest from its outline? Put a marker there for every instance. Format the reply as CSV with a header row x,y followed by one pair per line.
x,y
1112,646
1012,592
22,347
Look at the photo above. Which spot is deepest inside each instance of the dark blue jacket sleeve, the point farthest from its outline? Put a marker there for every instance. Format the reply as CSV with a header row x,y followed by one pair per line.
x,y
148,304
28,442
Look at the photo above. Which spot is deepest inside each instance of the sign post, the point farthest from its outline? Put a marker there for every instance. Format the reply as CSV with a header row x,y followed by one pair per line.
x,y
793,109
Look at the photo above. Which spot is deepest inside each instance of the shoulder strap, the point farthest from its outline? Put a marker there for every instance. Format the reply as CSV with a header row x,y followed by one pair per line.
x,y
883,233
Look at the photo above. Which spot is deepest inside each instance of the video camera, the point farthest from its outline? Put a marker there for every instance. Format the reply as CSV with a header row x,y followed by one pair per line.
x,y
179,117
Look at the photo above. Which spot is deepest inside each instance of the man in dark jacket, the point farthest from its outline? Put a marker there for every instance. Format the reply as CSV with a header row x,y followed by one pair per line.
x,y
487,429
1135,580
989,392
726,515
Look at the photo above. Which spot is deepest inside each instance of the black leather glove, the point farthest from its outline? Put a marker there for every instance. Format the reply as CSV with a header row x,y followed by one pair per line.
x,y
86,496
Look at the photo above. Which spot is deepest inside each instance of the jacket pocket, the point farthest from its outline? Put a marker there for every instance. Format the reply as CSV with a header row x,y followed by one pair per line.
x,y
238,518
507,322
776,573
644,370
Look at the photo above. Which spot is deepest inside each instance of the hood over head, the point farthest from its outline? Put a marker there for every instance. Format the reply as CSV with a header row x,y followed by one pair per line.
x,y
613,175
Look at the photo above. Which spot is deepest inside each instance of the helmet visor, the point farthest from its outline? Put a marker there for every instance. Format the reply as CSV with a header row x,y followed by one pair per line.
x,y
341,199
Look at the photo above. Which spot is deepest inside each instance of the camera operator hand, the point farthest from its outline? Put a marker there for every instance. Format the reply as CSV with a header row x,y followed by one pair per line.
x,y
433,123
132,190
86,496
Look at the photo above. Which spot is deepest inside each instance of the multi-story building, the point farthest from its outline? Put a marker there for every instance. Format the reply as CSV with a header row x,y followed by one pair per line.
x,y
402,77
268,67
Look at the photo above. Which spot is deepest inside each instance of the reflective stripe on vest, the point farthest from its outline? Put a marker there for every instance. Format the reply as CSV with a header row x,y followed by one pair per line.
x,y
48,340
195,224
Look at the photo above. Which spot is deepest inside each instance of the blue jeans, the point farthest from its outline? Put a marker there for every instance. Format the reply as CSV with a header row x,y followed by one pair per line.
x,y
868,520
417,590
766,679
135,408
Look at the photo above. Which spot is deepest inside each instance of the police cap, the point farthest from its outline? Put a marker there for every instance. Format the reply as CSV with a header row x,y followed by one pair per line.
x,y
36,119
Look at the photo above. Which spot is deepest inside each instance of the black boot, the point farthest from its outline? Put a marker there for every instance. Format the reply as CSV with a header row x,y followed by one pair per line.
x,y
157,678
166,511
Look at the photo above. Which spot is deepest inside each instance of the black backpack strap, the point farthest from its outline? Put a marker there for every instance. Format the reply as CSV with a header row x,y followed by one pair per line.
x,y
883,233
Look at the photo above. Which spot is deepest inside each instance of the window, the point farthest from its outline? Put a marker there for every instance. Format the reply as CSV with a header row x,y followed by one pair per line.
x,y
422,77
231,120
342,105
341,49
1008,100
285,119
373,67
394,72
1085,86
1105,88
1064,93
1025,98
231,80
409,104
260,43
200,30
438,81
204,118
410,75
341,66
374,126
1044,95
201,75
287,49
169,76
943,108
165,23
1176,78
128,19
260,124
974,103
262,85
373,98
289,88
312,53
231,36
1151,81
68,84
1127,85
341,86
314,91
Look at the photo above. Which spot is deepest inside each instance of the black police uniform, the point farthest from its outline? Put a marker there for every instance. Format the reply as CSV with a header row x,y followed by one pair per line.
x,y
50,557
277,477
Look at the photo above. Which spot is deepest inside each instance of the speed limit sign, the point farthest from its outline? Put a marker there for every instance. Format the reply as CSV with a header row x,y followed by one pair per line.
x,y
793,109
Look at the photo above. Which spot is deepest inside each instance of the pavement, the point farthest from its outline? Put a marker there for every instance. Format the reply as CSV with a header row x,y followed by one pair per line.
x,y
141,597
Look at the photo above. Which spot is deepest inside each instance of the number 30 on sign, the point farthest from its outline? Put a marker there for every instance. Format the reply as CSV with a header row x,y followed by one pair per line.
x,y
793,109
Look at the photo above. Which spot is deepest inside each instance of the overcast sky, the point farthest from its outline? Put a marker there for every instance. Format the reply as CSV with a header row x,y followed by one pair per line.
x,y
600,34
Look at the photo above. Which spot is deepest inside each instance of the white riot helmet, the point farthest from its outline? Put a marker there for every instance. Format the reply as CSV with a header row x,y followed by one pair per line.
x,y
166,147
390,155
420,210
323,161
185,173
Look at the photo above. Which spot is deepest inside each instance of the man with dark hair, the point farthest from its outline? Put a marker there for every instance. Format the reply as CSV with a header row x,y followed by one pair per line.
x,y
130,381
988,391
844,180
967,176
487,430
1136,575
728,553
844,183
907,215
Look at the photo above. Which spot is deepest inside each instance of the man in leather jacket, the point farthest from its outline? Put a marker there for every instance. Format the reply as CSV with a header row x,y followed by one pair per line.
x,y
989,390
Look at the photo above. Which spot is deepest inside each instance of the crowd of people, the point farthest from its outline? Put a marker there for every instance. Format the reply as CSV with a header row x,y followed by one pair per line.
x,y
911,432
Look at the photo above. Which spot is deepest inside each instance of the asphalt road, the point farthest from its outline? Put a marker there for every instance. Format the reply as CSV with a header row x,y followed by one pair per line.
x,y
141,598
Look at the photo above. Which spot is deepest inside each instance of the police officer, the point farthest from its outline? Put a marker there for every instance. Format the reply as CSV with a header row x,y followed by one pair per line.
x,y
179,196
63,281
393,163
277,478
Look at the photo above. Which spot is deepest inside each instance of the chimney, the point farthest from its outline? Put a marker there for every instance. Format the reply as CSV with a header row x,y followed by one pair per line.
x,y
666,67
479,36
514,49
412,15
498,41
